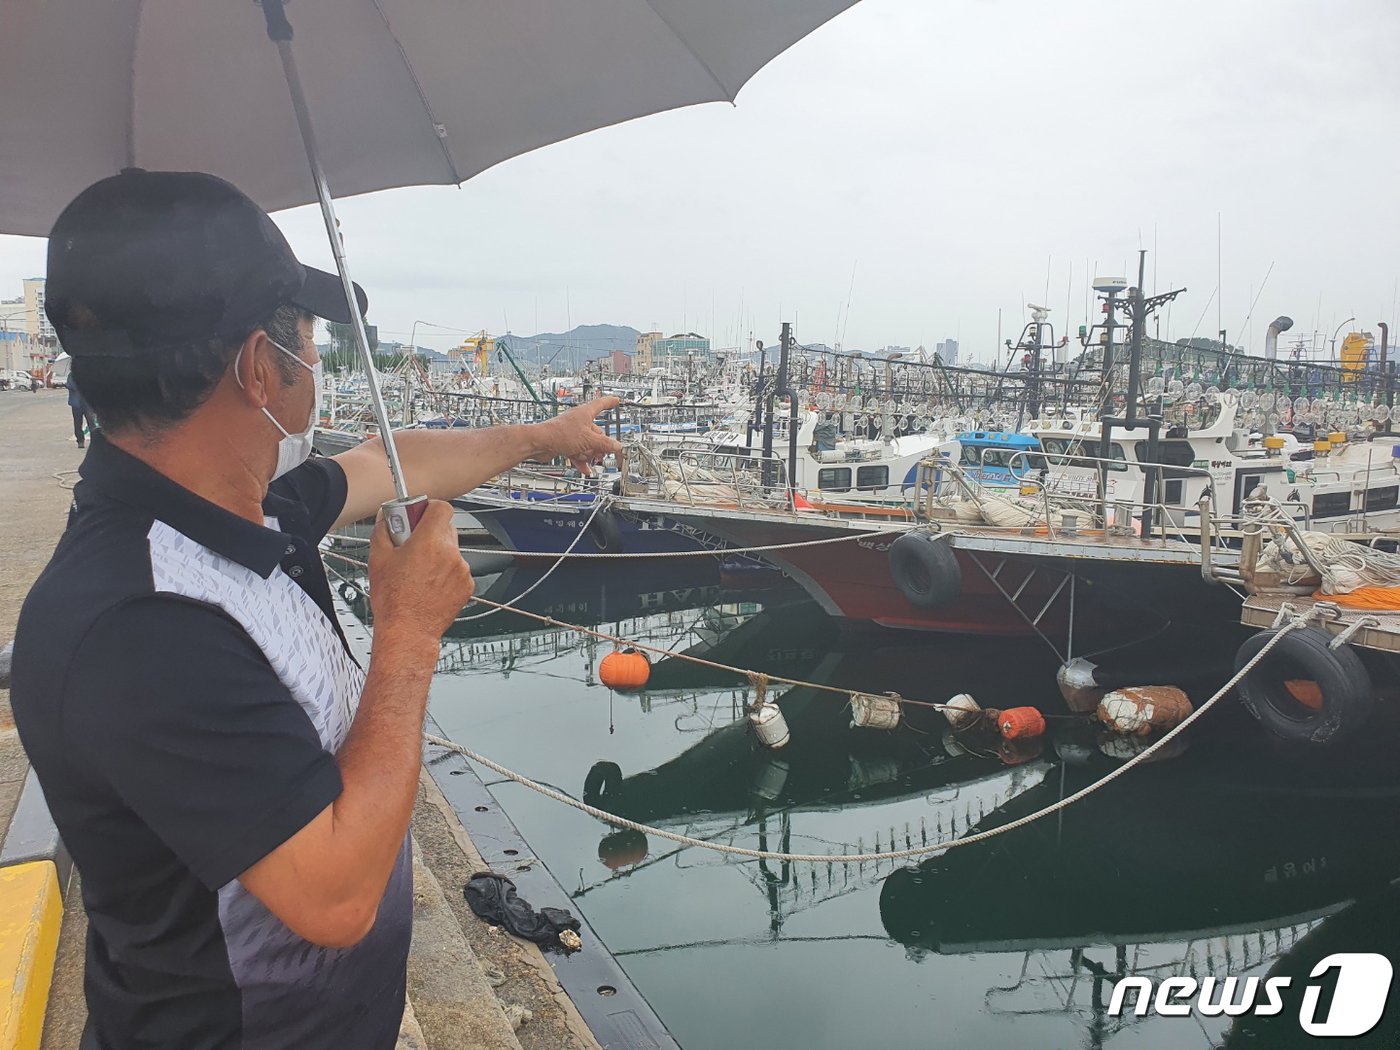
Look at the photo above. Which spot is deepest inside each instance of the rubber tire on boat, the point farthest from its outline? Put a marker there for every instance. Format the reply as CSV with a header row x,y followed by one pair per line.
x,y
1347,694
604,533
925,569
349,591
603,780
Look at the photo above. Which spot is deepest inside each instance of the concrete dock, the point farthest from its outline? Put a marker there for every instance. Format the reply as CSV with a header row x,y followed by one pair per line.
x,y
471,985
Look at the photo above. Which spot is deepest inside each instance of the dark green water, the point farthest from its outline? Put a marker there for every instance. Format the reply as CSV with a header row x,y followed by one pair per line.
x,y
1238,857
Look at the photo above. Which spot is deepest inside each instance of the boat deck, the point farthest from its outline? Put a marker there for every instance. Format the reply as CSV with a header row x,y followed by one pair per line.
x,y
1377,629
1088,545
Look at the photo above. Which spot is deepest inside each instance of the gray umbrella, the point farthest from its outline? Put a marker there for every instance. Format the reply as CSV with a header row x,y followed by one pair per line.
x,y
401,92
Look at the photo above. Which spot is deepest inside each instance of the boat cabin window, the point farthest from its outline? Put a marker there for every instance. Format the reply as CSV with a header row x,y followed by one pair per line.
x,y
1067,452
872,477
1169,454
1382,499
835,479
1021,461
1331,504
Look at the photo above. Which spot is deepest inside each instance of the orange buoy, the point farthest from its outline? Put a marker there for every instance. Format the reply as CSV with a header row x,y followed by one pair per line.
x,y
625,669
1305,691
1019,752
623,849
1020,723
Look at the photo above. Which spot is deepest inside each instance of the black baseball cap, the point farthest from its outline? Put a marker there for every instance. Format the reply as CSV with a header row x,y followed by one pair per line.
x,y
146,261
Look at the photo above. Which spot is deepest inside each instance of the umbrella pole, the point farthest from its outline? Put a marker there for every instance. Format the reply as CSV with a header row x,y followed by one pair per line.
x,y
401,513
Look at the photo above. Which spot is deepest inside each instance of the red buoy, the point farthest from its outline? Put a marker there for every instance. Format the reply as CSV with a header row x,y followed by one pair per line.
x,y
1018,752
1020,723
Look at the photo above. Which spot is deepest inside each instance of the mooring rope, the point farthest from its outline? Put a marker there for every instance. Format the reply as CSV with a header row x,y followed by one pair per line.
x,y
598,505
904,854
626,643
717,552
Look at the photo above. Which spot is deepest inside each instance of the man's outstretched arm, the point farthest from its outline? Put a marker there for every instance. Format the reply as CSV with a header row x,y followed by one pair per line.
x,y
444,464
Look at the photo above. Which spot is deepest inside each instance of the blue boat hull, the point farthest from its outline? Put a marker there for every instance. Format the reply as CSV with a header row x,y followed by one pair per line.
x,y
548,525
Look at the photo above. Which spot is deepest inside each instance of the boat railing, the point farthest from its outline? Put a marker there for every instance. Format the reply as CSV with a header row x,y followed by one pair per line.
x,y
1115,515
741,477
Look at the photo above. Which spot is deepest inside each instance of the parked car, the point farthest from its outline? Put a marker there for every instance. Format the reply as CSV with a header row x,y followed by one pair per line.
x,y
17,380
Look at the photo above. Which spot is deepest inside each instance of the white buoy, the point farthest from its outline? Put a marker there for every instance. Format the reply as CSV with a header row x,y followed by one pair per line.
x,y
1123,748
867,772
1141,709
771,779
1078,685
874,712
962,711
769,725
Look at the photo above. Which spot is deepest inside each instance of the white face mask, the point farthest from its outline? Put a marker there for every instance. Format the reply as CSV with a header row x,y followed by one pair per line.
x,y
294,449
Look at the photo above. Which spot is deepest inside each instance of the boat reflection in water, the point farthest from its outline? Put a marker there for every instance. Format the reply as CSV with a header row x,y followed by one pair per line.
x,y
1240,858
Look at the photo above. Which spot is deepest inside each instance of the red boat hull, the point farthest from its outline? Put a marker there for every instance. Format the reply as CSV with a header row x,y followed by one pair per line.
x,y
851,579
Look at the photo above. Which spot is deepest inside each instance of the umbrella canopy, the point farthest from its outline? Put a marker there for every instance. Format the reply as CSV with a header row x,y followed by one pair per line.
x,y
401,92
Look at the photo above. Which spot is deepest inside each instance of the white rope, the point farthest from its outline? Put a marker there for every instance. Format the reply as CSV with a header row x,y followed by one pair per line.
x,y
1345,565
598,505
904,854
722,551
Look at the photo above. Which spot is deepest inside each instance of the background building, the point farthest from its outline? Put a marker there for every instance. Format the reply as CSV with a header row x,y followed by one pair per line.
x,y
36,321
947,351
643,356
681,345
14,335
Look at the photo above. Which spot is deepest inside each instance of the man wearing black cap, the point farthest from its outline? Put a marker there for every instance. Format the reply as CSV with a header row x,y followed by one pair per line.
x,y
234,789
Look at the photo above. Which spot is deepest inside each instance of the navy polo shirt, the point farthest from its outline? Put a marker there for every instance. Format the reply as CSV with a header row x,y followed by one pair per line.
x,y
181,687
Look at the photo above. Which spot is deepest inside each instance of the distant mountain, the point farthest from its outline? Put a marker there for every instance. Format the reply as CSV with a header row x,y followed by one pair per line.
x,y
565,351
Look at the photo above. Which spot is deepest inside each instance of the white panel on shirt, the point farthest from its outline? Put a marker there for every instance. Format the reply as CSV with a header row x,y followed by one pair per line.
x,y
282,620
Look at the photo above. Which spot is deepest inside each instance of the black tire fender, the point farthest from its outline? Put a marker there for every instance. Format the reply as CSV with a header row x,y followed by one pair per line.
x,y
925,569
604,533
1348,696
603,781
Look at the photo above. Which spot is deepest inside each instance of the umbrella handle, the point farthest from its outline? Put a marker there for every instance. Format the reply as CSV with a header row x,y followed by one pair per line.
x,y
402,516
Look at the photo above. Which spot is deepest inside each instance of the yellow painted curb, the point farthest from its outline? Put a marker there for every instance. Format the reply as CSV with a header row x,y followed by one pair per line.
x,y
31,911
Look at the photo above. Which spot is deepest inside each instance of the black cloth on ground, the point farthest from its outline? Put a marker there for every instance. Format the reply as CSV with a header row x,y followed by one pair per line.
x,y
493,898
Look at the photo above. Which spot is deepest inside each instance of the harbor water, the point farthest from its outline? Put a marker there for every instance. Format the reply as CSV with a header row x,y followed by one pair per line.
x,y
1236,856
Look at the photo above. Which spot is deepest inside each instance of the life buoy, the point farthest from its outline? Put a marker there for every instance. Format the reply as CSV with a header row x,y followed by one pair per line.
x,y
925,569
1304,689
604,533
603,781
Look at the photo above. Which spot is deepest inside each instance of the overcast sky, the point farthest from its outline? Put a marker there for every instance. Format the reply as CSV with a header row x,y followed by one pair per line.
x,y
952,156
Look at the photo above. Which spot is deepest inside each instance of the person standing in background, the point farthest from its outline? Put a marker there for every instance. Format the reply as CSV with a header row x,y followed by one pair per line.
x,y
82,412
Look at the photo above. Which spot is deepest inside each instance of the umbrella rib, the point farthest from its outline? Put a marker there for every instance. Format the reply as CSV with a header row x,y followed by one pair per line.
x,y
728,95
131,94
438,129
